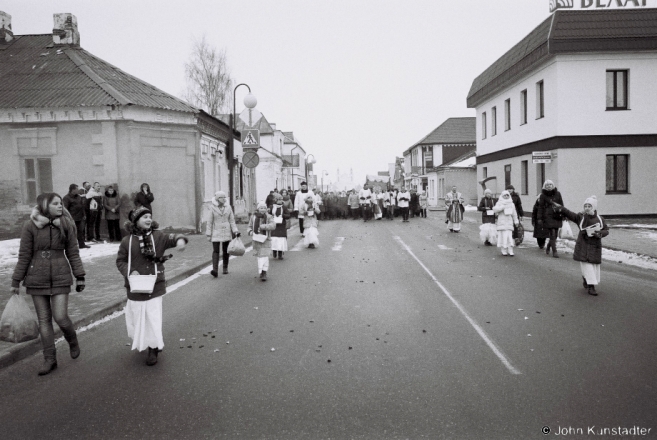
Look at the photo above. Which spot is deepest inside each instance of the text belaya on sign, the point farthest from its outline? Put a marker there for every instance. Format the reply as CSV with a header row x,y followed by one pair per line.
x,y
601,4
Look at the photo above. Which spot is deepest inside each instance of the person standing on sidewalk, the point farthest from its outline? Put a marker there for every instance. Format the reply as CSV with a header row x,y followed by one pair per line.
x,y
74,204
260,226
506,219
144,197
547,216
48,253
540,233
424,204
403,200
298,202
112,206
95,204
588,248
220,230
143,250
279,235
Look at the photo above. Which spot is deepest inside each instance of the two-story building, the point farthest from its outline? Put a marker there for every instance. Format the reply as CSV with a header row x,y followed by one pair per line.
x,y
574,102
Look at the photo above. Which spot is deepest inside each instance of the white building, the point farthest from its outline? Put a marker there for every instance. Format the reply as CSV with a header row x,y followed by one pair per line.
x,y
581,87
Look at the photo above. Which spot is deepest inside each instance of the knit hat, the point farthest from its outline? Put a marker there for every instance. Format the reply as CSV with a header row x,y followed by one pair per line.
x,y
219,193
593,201
304,183
511,187
261,205
488,191
137,213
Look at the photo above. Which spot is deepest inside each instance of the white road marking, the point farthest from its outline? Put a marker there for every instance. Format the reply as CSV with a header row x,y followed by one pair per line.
x,y
338,244
472,322
444,248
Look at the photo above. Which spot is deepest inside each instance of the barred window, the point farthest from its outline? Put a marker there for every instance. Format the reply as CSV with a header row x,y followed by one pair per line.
x,y
617,173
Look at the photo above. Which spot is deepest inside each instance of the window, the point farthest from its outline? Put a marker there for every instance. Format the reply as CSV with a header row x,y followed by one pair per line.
x,y
493,121
523,107
507,115
617,175
507,175
540,177
483,125
524,182
540,100
485,172
38,178
617,89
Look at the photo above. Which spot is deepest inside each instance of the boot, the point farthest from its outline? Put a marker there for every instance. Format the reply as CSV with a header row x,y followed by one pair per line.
x,y
591,292
49,361
280,255
263,275
554,251
275,254
547,248
215,264
225,271
584,283
152,356
73,345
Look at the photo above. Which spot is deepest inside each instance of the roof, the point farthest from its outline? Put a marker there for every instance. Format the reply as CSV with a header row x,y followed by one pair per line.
x,y
263,126
36,74
568,32
467,160
452,131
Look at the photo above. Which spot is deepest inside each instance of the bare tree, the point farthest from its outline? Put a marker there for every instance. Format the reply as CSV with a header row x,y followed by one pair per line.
x,y
208,78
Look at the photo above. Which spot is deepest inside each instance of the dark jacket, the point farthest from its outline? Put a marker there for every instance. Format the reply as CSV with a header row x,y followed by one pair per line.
x,y
281,228
145,200
518,203
539,232
547,213
74,204
44,260
587,249
485,205
143,265
414,202
112,202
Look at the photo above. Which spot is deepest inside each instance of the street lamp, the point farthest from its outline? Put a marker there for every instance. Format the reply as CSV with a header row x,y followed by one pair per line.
x,y
250,102
324,173
308,161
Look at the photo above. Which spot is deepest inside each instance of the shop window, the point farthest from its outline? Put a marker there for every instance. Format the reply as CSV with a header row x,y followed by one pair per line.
x,y
540,100
507,175
524,181
38,178
617,173
617,89
493,121
507,115
523,107
483,125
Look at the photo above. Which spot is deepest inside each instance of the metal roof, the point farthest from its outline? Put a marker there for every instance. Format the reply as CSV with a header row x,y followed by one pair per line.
x,y
452,131
36,74
568,32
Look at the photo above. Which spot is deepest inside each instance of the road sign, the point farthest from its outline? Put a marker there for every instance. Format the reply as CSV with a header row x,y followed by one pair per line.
x,y
541,157
250,117
250,159
250,138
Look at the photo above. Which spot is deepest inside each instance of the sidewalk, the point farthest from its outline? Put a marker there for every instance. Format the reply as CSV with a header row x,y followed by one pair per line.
x,y
104,293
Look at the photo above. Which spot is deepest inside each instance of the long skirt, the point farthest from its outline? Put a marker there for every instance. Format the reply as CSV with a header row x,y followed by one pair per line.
x,y
312,236
144,322
591,272
454,226
279,244
505,239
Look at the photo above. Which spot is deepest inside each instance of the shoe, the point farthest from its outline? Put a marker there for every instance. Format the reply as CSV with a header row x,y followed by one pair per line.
x,y
311,246
584,283
263,276
73,345
84,247
446,222
225,271
504,253
487,243
280,255
214,273
451,230
49,361
457,231
152,356
592,290
554,254
511,254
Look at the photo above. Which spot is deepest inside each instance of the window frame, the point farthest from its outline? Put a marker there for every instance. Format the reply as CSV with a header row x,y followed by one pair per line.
x,y
493,121
507,175
507,114
523,107
626,87
524,177
37,180
483,125
615,176
540,100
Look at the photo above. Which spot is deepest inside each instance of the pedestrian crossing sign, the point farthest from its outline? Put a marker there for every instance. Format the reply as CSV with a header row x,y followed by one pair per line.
x,y
250,138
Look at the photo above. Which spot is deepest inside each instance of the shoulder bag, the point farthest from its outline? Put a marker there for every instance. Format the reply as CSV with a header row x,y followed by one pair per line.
x,y
140,283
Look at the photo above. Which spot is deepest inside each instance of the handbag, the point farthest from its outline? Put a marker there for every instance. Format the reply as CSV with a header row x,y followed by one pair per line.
x,y
236,247
260,238
566,231
140,283
17,323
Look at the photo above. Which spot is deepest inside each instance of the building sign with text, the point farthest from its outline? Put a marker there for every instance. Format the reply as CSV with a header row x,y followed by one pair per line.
x,y
596,5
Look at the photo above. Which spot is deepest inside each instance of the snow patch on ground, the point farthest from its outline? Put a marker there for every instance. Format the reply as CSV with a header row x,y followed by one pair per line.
x,y
9,252
635,226
470,208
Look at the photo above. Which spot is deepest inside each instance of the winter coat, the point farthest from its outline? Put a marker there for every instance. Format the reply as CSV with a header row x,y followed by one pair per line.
x,y
415,201
311,221
485,205
281,228
547,213
221,223
505,222
518,204
266,226
112,202
44,261
353,201
144,200
142,264
94,200
424,201
289,204
74,204
587,249
538,231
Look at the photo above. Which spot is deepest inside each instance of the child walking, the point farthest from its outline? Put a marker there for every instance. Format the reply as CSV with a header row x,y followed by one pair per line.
x,y
281,215
310,211
507,218
260,226
143,251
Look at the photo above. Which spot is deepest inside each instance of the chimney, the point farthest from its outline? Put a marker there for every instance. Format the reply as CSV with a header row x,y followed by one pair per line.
x,y
65,31
6,34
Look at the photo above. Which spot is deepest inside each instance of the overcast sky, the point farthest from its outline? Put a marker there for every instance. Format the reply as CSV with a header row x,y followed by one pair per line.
x,y
357,81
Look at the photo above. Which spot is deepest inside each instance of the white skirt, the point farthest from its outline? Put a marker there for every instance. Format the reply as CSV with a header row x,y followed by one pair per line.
x,y
143,320
505,239
279,244
591,272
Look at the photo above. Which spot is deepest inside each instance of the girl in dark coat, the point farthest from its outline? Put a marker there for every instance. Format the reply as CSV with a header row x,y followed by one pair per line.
x,y
547,216
144,197
540,233
588,248
47,255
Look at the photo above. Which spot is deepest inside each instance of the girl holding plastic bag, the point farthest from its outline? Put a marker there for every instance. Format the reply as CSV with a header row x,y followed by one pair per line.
x,y
310,211
142,253
279,235
507,218
260,226
47,255
220,230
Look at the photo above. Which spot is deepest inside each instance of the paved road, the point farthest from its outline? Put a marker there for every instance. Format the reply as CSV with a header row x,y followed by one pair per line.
x,y
427,334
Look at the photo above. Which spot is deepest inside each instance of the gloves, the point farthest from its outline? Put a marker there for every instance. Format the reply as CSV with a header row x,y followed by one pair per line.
x,y
79,284
238,234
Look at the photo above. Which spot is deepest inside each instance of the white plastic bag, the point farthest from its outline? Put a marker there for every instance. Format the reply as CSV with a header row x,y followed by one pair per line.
x,y
17,323
566,231
236,247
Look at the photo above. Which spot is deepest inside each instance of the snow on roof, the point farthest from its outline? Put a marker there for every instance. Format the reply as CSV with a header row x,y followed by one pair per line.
x,y
466,163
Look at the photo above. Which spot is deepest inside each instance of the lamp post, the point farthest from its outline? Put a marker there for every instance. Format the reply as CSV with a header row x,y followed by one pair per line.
x,y
308,160
324,173
231,154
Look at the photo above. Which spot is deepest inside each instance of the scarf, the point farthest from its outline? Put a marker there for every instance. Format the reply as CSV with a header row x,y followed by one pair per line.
x,y
275,208
145,242
256,222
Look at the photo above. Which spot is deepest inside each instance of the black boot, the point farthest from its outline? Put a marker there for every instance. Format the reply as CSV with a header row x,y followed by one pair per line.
x,y
263,276
225,271
73,345
152,356
584,283
280,255
215,264
49,361
547,248
275,254
554,251
592,290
